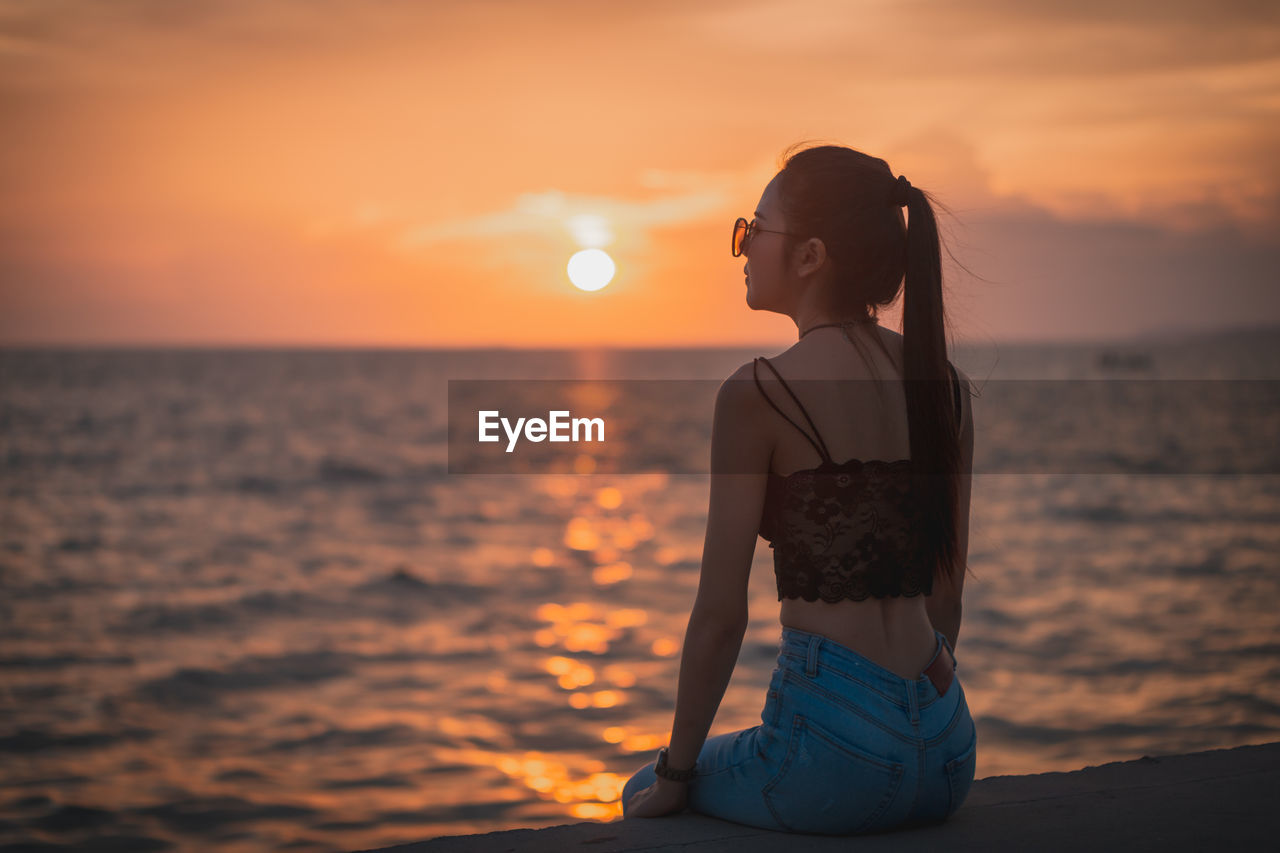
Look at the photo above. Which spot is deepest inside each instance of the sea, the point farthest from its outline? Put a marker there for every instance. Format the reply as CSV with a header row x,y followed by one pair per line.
x,y
247,605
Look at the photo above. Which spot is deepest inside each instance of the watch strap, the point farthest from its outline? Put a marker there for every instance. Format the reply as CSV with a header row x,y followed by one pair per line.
x,y
661,769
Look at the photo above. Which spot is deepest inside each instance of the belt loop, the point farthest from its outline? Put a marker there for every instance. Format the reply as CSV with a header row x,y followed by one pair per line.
x,y
811,665
913,702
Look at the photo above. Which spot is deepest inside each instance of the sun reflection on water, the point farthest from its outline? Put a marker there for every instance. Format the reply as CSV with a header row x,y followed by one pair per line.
x,y
606,533
612,573
589,628
584,626
595,795
665,647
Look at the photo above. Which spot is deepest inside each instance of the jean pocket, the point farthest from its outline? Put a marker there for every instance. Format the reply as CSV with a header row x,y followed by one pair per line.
x,y
828,786
960,772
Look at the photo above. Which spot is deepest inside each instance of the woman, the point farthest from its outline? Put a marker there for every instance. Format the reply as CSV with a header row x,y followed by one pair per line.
x,y
865,726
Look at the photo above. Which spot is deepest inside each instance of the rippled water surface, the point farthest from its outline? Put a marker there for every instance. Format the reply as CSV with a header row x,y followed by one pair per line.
x,y
243,605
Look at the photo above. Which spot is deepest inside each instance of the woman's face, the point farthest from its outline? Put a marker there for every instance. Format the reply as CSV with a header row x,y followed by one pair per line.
x,y
766,266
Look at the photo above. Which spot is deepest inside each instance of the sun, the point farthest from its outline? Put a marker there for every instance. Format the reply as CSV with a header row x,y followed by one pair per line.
x,y
591,269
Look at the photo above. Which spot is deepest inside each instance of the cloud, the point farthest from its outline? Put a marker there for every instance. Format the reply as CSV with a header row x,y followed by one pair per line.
x,y
1038,275
777,26
585,217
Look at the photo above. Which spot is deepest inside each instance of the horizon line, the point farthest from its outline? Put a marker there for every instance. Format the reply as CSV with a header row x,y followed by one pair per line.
x,y
1146,337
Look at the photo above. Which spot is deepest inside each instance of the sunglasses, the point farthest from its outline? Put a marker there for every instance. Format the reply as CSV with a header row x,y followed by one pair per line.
x,y
742,231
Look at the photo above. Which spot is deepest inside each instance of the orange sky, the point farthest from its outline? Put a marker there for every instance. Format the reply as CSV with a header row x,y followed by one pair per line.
x,y
408,174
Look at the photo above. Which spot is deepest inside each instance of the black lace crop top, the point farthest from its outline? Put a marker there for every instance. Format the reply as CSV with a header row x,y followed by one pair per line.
x,y
843,529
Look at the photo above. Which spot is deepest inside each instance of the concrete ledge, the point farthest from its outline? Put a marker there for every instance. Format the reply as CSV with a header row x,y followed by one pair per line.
x,y
1222,799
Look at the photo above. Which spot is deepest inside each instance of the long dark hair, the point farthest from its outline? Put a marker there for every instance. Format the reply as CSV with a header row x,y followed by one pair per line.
x,y
851,201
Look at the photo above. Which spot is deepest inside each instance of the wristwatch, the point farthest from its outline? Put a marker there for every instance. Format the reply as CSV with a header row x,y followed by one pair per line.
x,y
666,772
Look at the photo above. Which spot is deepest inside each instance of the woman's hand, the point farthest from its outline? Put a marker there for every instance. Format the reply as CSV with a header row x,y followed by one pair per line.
x,y
663,797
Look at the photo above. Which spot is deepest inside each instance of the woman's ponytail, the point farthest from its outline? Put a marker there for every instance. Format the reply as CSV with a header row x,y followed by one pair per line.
x,y
933,422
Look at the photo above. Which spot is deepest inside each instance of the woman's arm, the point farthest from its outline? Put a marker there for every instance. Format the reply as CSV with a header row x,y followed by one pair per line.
x,y
740,453
706,666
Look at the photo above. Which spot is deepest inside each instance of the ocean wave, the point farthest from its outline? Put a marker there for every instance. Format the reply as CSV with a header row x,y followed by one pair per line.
x,y
198,686
27,741
336,471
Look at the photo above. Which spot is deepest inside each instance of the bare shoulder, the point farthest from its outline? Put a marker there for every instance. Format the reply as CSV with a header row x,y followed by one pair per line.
x,y
740,388
740,438
744,372
739,401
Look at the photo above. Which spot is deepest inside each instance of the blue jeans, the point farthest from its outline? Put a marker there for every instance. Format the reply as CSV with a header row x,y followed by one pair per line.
x,y
844,746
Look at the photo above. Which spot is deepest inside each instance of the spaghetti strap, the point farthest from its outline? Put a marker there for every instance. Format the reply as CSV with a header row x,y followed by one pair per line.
x,y
819,445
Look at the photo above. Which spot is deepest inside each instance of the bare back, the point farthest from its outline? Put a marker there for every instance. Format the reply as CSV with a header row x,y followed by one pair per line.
x,y
868,422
